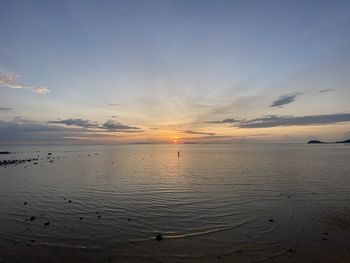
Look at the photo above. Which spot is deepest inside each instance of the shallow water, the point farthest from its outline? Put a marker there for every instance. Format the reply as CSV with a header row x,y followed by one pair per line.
x,y
215,203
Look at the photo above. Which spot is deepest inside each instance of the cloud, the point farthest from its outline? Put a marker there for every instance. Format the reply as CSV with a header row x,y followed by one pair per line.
x,y
5,109
114,104
285,99
20,130
110,125
10,81
199,133
40,90
325,90
275,121
116,126
23,130
76,122
223,121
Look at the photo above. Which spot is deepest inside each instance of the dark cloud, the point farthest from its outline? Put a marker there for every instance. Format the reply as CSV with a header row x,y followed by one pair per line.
x,y
199,133
20,130
5,109
116,126
23,130
109,125
76,122
223,121
325,90
285,99
274,120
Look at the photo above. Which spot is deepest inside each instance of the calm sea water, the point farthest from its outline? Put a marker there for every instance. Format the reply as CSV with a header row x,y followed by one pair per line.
x,y
214,203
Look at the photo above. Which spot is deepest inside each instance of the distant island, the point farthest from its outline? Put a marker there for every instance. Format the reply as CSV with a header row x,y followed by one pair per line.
x,y
317,141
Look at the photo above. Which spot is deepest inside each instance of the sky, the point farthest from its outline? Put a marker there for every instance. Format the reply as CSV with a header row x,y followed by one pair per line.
x,y
180,71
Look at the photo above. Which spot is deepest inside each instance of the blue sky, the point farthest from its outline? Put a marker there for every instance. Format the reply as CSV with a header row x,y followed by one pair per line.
x,y
174,70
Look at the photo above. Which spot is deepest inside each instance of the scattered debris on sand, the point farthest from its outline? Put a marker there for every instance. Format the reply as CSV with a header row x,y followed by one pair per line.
x,y
15,162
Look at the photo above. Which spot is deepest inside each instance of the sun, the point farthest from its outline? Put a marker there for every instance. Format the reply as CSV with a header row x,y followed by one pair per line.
x,y
175,140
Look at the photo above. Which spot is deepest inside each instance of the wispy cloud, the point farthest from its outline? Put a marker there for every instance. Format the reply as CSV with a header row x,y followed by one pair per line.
x,y
76,122
223,121
285,99
5,109
114,104
275,120
325,90
40,90
116,126
199,133
11,82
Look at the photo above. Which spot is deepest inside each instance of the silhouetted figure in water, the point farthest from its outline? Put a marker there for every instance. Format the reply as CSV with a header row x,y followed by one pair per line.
x,y
178,154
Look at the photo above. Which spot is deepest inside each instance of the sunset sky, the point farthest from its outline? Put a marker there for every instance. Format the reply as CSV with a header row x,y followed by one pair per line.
x,y
174,71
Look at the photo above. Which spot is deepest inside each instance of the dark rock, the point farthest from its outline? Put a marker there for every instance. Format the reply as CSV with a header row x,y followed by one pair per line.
x,y
271,220
25,203
291,250
159,237
49,154
47,223
317,141
314,141
69,201
32,218
5,153
81,218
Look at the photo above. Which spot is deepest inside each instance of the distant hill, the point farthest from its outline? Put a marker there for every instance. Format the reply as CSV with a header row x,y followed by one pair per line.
x,y
317,142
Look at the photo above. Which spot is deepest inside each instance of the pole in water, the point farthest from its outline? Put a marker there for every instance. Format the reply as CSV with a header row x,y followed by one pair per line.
x,y
178,154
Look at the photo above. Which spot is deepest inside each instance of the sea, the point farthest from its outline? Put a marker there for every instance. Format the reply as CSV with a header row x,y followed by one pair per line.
x,y
175,203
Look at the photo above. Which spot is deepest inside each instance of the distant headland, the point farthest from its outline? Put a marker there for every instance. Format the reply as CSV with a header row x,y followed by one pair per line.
x,y
317,141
